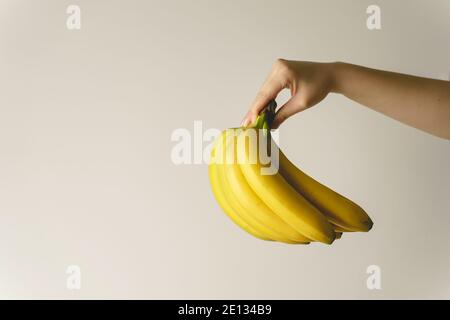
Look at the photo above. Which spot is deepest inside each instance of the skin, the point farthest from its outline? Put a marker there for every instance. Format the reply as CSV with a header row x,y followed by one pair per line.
x,y
419,102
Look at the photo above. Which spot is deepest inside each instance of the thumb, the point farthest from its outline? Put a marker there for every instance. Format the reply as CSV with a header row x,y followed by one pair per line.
x,y
288,109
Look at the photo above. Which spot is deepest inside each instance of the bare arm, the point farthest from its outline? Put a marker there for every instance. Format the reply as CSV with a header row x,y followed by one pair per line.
x,y
419,102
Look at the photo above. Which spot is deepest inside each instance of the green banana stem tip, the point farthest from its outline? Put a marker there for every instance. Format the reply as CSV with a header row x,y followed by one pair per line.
x,y
265,118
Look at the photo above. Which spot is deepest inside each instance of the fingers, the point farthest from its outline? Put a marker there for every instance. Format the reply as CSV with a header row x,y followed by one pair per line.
x,y
268,92
276,82
248,119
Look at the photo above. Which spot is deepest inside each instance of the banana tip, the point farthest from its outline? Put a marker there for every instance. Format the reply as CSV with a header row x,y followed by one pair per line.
x,y
368,224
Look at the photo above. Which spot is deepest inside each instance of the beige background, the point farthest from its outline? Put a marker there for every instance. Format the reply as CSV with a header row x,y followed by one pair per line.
x,y
86,176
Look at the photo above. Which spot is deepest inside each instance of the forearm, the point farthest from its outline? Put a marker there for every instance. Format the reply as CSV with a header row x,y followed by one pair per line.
x,y
419,102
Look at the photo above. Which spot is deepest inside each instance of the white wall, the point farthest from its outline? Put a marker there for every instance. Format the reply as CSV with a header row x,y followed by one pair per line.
x,y
86,176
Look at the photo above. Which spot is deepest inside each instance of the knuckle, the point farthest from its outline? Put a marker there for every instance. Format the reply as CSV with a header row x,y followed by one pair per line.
x,y
281,65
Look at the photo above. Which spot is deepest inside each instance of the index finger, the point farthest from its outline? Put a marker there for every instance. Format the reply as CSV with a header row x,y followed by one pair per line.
x,y
269,91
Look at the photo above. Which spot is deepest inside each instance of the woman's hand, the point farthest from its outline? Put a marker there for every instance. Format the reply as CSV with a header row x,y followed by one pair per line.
x,y
309,83
419,102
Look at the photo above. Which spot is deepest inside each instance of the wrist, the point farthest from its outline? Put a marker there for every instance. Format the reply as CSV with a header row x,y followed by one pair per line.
x,y
336,76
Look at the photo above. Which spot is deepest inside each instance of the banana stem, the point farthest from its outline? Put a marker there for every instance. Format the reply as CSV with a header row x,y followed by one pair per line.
x,y
265,118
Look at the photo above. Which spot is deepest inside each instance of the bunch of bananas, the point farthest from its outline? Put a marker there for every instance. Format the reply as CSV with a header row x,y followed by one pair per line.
x,y
288,206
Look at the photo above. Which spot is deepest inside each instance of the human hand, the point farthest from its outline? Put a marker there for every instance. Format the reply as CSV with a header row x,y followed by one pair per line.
x,y
309,83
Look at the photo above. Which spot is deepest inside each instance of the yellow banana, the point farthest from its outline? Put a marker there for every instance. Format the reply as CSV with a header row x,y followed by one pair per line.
x,y
339,229
250,201
219,194
339,210
288,206
266,231
282,198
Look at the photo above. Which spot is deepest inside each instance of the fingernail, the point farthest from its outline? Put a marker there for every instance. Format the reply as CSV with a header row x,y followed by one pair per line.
x,y
244,122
